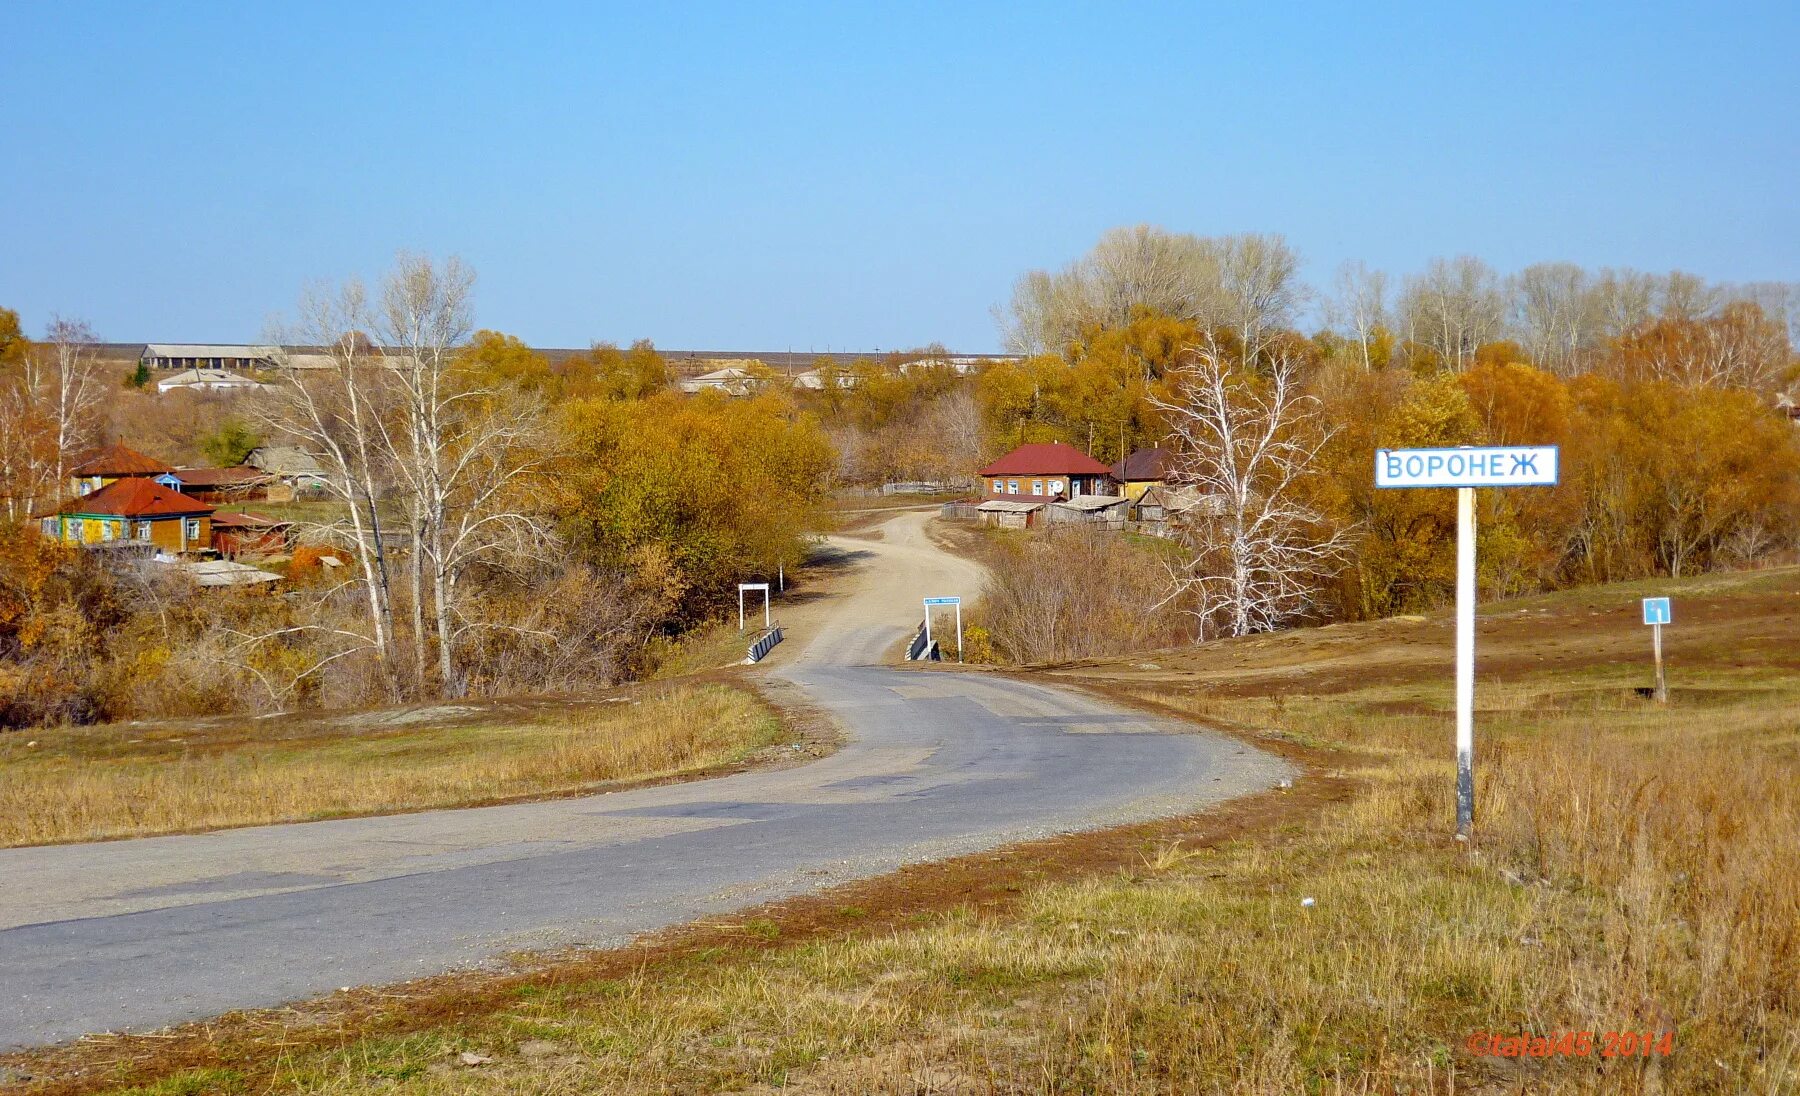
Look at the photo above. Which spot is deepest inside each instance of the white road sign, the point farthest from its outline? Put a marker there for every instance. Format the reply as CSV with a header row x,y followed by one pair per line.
x,y
1488,466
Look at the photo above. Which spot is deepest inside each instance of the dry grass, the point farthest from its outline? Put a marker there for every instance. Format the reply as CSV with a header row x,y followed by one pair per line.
x,y
101,782
1633,869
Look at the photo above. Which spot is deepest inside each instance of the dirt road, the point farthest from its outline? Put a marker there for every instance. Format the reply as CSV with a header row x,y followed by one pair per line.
x,y
145,933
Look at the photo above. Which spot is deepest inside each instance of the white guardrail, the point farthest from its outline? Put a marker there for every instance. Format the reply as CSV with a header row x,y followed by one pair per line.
x,y
764,644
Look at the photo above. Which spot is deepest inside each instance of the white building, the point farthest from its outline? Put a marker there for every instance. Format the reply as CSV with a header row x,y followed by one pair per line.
x,y
211,380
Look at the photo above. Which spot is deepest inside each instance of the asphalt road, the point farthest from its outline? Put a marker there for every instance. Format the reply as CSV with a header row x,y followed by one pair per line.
x,y
141,934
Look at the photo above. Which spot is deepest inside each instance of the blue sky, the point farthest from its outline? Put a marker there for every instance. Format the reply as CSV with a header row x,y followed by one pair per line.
x,y
765,176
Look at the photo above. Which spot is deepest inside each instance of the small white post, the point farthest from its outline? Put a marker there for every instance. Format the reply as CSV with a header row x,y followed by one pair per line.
x,y
927,628
1465,662
740,608
1662,685
781,575
767,622
959,633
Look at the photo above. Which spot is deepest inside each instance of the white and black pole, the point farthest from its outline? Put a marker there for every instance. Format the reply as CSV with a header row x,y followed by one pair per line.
x,y
1466,468
1465,662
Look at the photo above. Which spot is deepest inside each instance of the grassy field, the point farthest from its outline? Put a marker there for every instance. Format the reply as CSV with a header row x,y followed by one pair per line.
x,y
1633,870
130,780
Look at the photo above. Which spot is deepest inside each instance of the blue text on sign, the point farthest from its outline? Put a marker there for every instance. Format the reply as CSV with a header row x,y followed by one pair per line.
x,y
1492,466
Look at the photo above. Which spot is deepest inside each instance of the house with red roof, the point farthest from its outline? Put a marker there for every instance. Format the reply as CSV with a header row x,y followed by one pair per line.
x,y
1045,471
134,509
110,463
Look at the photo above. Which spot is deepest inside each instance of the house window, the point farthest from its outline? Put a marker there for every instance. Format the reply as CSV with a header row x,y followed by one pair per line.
x,y
1012,487
193,528
143,530
1037,487
106,530
50,529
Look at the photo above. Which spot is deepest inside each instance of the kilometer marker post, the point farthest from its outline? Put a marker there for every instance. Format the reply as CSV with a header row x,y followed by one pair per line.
x,y
1466,468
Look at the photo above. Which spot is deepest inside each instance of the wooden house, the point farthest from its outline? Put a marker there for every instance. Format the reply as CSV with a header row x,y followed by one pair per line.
x,y
1046,471
135,509
238,484
109,464
1142,470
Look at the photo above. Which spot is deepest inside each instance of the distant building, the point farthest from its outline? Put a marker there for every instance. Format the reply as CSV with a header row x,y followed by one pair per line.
x,y
135,509
732,380
288,463
815,380
210,380
1048,471
102,466
209,356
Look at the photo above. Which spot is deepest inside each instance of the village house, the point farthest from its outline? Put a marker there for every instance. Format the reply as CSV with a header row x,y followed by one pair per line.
x,y
1142,470
135,509
112,463
239,484
1045,471
1161,508
732,380
289,464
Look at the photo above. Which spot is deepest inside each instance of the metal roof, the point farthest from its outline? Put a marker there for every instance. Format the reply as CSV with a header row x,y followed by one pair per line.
x,y
1006,506
211,350
1092,503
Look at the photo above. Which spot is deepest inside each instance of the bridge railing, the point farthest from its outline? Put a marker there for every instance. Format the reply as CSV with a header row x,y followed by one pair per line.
x,y
764,643
919,649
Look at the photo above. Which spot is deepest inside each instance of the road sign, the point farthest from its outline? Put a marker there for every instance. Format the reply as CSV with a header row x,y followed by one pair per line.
x,y
1466,468
1491,466
945,601
1656,614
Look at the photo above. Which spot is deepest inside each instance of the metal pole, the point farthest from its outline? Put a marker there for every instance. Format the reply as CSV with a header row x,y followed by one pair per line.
x,y
959,632
1662,685
766,621
927,629
1465,662
740,608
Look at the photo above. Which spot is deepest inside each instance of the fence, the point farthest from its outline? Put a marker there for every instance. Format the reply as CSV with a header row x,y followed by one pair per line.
x,y
764,644
959,511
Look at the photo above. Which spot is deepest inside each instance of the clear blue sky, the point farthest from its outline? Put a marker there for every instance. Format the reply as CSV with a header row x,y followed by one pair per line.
x,y
739,175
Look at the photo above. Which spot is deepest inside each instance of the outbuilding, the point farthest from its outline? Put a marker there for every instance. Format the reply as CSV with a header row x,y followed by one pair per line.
x,y
1010,514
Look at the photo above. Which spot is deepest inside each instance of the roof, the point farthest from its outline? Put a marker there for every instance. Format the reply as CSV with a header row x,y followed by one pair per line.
x,y
1048,459
1007,506
1179,500
1093,503
136,498
211,350
213,478
117,460
1144,464
224,572
284,460
237,519
216,377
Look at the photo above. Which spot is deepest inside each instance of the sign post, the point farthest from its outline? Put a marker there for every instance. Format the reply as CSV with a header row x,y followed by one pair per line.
x,y
956,601
1657,614
764,587
1466,469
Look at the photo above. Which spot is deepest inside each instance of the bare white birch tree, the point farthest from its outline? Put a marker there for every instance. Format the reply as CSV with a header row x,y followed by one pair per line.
x,y
336,414
1246,443
1454,307
1359,305
67,392
1260,289
464,452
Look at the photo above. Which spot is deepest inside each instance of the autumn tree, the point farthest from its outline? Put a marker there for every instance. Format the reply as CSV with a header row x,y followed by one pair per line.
x,y
1248,443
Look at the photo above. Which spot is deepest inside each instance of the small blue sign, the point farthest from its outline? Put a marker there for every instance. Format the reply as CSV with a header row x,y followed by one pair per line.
x,y
943,601
1656,610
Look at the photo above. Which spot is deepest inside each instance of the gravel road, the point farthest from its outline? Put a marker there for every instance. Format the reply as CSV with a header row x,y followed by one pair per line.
x,y
133,935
